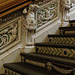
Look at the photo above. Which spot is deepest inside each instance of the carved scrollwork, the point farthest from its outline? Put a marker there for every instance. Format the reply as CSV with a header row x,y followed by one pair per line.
x,y
8,34
46,13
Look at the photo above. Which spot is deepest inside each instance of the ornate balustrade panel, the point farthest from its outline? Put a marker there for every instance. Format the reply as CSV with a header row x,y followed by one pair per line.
x,y
10,34
40,14
47,13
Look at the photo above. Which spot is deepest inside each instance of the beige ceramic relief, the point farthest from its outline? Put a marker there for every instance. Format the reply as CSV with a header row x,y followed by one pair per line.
x,y
10,34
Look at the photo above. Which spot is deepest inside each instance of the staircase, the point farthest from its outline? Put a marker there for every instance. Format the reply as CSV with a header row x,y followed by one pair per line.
x,y
57,56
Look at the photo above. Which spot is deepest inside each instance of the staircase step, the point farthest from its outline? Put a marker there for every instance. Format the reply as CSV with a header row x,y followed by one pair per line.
x,y
58,35
28,69
62,39
67,30
48,58
56,49
47,44
72,22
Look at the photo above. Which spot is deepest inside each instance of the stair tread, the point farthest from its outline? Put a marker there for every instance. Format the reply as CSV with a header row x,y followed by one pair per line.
x,y
71,21
67,28
43,57
61,35
48,44
28,69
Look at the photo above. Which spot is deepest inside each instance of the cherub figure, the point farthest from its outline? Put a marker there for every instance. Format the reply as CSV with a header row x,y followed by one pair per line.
x,y
30,22
65,6
30,18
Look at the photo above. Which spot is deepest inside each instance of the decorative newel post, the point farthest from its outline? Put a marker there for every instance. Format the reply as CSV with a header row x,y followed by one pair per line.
x,y
30,22
64,8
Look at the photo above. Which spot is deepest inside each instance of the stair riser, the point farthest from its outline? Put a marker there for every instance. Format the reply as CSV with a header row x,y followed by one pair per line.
x,y
65,52
10,72
67,32
62,40
51,66
72,24
36,63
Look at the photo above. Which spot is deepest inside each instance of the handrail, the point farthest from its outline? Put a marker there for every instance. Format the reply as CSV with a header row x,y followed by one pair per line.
x,y
11,9
9,3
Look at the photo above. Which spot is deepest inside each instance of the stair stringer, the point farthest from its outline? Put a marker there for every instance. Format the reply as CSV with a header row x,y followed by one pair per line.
x,y
71,14
41,36
13,55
